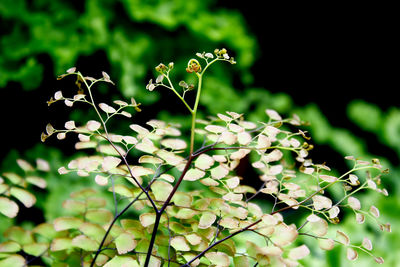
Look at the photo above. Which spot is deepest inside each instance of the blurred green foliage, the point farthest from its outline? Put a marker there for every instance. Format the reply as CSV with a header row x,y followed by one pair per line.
x,y
135,36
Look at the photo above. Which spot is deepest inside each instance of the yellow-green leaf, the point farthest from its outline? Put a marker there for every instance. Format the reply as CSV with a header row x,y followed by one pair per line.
x,y
35,249
14,260
19,235
119,261
9,247
65,223
125,242
193,175
218,258
179,243
161,190
85,243
206,220
61,243
8,207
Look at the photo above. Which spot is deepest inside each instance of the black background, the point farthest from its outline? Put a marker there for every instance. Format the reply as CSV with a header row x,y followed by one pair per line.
x,y
324,54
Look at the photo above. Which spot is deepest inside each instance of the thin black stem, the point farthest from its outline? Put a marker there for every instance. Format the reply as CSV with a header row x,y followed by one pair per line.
x,y
110,226
220,241
164,206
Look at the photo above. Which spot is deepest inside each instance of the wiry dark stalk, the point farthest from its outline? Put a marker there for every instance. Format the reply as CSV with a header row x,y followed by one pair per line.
x,y
161,210
110,226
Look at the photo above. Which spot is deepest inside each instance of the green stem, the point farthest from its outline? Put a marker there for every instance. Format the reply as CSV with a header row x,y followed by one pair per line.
x,y
177,94
194,112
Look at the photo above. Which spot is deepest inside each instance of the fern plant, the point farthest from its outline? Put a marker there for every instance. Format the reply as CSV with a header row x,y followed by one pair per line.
x,y
154,222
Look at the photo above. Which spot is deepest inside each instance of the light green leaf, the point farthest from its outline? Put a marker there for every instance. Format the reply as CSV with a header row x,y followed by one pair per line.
x,y
61,243
206,220
193,175
139,171
298,253
122,190
85,243
150,159
106,108
182,199
19,235
194,239
147,219
13,260
65,223
241,261
179,243
173,143
26,166
351,254
161,190
110,163
45,229
9,247
204,162
14,178
38,181
218,258
35,249
93,125
74,206
92,230
219,172
84,193
100,216
125,242
284,234
119,261
8,207
326,244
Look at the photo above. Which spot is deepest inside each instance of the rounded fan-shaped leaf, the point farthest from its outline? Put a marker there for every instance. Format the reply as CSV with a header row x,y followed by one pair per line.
x,y
110,163
219,172
354,203
351,254
106,108
122,261
299,252
161,190
367,243
342,237
8,207
9,247
125,242
27,198
14,260
326,244
65,223
61,243
147,219
175,144
218,258
93,125
193,175
284,234
85,243
35,249
179,243
206,220
204,162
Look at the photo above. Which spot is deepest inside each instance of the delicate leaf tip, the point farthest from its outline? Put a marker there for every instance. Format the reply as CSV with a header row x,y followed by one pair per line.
x,y
71,70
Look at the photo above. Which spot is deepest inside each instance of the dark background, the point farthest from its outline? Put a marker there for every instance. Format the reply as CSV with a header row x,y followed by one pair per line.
x,y
327,55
